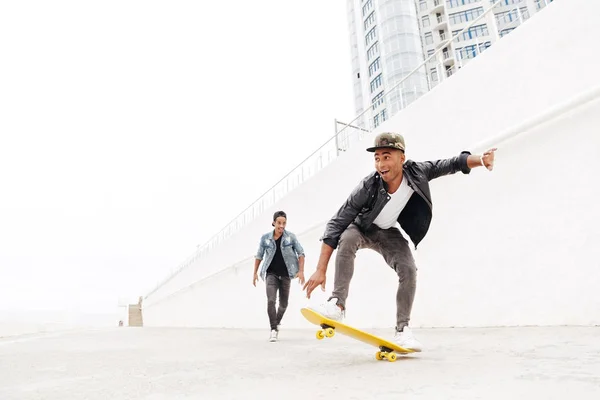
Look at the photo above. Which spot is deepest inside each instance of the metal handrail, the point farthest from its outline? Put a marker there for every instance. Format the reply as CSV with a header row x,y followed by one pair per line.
x,y
219,236
554,112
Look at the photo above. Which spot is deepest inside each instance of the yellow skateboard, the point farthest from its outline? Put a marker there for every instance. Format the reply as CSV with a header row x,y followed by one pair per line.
x,y
387,350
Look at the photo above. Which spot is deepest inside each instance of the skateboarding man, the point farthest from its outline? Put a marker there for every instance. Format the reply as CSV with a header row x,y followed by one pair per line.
x,y
397,192
283,260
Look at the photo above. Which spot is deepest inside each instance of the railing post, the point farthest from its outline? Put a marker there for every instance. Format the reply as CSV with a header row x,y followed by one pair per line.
x,y
337,147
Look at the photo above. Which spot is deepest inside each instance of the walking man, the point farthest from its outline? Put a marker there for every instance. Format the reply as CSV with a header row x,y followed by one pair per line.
x,y
283,260
397,192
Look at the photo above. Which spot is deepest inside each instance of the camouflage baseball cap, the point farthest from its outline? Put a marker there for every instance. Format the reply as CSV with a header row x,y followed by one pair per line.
x,y
388,139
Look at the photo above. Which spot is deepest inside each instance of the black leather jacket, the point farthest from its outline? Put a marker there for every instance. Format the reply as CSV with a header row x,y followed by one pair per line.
x,y
370,196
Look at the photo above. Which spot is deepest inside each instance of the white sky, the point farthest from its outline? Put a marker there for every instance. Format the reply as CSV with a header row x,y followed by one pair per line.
x,y
132,131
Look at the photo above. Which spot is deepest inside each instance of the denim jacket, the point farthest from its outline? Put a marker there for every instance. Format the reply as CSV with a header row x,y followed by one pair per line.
x,y
290,249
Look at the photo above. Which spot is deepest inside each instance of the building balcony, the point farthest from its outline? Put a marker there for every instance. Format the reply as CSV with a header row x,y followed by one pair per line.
x,y
438,5
441,23
448,58
444,36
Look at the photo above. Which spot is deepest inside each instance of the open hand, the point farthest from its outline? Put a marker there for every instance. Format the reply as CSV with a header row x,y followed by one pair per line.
x,y
255,279
488,159
318,278
300,277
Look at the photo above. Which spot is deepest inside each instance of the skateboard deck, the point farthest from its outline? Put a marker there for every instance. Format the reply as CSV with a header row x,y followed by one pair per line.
x,y
387,349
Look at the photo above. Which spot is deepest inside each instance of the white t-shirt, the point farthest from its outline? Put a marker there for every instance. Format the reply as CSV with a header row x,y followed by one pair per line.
x,y
390,213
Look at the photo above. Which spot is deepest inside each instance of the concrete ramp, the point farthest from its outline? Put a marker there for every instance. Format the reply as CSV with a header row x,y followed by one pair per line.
x,y
514,247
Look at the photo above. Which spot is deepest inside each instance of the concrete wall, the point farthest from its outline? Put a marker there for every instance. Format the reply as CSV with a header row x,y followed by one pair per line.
x,y
511,247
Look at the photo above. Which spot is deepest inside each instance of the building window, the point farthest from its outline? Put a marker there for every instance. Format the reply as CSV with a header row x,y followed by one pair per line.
x,y
373,51
377,100
465,16
434,74
458,3
370,20
428,37
467,52
472,32
368,6
374,67
483,46
541,3
376,83
512,15
506,31
471,51
379,118
371,36
425,21
423,5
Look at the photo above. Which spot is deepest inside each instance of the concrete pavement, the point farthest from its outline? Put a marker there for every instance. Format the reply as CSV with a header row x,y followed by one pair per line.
x,y
185,363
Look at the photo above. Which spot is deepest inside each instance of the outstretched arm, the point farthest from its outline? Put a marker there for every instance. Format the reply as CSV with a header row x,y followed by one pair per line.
x,y
484,160
463,162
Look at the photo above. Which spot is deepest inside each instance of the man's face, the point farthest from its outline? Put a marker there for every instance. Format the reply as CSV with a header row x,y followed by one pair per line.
x,y
388,162
280,224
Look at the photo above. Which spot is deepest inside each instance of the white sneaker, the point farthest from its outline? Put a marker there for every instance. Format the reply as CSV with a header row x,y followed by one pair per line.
x,y
406,339
330,310
273,337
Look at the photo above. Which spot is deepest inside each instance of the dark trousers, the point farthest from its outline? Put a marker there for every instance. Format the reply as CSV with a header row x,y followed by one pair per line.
x,y
395,250
276,283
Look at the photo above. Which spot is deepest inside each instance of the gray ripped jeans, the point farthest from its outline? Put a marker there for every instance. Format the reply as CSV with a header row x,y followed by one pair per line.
x,y
395,250
276,283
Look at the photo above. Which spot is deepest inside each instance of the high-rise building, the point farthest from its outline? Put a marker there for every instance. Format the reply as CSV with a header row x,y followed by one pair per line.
x,y
391,38
386,45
